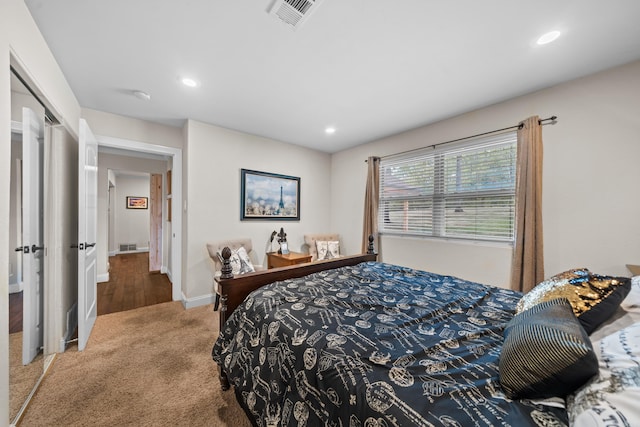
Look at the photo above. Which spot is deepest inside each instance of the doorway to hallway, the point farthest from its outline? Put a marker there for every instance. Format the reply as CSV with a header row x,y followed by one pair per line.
x,y
131,284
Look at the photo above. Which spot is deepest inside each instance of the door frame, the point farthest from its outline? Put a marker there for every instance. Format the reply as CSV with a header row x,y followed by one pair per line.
x,y
176,196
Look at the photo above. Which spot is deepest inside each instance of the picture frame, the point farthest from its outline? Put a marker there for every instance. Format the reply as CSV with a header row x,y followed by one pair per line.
x,y
134,202
284,248
269,196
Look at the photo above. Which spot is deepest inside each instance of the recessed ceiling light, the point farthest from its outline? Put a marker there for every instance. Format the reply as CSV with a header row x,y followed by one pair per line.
x,y
189,82
142,95
330,130
548,37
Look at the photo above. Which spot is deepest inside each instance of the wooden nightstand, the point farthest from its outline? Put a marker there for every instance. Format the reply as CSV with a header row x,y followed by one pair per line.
x,y
634,269
274,259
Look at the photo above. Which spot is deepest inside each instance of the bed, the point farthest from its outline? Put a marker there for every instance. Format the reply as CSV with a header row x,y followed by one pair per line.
x,y
356,342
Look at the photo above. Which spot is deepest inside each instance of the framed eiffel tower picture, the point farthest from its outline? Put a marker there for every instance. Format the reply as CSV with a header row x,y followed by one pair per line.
x,y
269,196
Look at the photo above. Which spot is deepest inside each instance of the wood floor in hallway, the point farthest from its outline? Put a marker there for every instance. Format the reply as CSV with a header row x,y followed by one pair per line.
x,y
15,312
131,285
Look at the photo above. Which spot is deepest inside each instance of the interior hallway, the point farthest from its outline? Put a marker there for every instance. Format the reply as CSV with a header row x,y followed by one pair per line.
x,y
131,285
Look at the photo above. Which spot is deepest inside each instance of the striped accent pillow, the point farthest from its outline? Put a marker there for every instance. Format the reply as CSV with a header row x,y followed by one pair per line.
x,y
546,352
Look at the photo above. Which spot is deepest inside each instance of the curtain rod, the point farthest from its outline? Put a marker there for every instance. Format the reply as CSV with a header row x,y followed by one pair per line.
x,y
552,119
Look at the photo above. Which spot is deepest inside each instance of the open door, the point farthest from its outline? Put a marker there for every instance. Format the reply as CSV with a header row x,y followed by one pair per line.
x,y
155,221
87,231
32,234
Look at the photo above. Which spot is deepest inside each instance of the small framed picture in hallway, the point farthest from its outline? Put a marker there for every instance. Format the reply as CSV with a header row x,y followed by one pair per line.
x,y
137,202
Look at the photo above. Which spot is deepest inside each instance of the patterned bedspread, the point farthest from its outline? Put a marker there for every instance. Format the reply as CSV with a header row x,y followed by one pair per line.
x,y
374,345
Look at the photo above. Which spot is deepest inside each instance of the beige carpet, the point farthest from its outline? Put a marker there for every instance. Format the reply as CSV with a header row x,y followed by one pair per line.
x,y
146,367
21,378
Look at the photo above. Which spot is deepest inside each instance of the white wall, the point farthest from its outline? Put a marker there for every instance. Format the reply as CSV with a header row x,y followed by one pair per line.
x,y
131,225
117,126
20,100
591,176
215,157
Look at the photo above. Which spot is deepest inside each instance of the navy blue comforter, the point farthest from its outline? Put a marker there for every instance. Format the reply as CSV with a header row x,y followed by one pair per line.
x,y
374,345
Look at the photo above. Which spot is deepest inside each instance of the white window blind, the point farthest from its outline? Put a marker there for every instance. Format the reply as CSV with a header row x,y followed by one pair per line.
x,y
464,191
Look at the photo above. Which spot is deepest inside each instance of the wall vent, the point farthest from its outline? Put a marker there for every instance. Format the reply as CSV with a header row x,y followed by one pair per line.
x,y
126,247
293,12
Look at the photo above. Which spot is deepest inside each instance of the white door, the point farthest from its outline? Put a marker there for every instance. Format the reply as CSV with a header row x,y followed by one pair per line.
x,y
155,220
32,234
87,231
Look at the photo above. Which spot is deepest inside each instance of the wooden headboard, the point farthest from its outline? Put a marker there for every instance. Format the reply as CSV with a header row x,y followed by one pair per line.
x,y
235,289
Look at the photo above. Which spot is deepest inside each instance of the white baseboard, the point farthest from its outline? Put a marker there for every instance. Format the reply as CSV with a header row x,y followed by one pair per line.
x,y
113,253
103,277
163,269
134,251
188,303
15,287
170,277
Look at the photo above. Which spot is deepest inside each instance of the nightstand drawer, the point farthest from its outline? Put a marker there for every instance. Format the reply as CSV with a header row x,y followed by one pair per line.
x,y
275,259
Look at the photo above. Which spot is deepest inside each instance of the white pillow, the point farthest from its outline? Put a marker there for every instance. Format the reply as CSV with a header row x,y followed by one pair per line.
x,y
627,313
611,398
239,260
328,249
632,301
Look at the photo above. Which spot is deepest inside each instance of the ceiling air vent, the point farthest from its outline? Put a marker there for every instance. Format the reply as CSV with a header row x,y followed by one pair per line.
x,y
293,12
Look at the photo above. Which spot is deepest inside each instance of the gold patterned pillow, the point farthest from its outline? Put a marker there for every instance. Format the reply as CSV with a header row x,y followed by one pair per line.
x,y
594,298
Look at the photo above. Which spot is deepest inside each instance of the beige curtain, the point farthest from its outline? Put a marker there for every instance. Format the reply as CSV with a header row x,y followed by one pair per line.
x,y
527,268
371,199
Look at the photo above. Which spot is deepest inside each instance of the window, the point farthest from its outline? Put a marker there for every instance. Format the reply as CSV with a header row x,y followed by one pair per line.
x,y
466,191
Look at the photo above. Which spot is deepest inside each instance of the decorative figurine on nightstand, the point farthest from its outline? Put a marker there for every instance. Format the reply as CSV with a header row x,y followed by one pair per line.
x,y
274,233
282,239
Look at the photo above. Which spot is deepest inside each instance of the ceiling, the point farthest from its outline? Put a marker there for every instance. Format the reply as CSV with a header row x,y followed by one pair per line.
x,y
368,68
